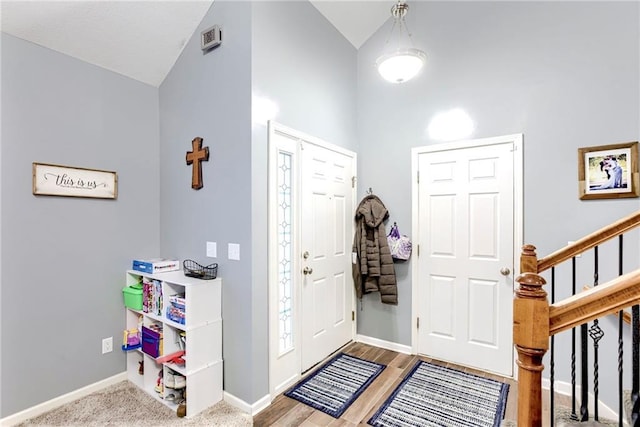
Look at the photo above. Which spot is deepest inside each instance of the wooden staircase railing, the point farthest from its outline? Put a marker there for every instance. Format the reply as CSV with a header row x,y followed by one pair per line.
x,y
535,320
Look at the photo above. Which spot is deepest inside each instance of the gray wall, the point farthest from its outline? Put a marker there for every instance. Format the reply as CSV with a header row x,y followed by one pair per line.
x,y
302,63
209,95
565,74
64,259
273,49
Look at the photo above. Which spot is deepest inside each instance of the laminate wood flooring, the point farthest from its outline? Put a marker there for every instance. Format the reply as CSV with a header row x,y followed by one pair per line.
x,y
285,411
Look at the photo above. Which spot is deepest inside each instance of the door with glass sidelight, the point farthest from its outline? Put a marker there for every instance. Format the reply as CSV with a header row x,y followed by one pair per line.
x,y
467,209
311,296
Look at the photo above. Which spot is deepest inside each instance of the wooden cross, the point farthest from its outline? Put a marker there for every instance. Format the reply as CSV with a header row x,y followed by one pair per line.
x,y
195,157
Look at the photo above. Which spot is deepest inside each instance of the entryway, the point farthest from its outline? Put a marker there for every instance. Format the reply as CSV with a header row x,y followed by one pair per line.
x,y
286,411
311,205
467,222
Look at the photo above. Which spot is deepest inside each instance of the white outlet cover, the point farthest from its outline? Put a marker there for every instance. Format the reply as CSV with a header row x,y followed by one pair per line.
x,y
234,251
212,249
107,345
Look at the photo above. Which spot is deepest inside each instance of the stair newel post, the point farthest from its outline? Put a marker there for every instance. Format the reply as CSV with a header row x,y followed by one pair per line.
x,y
531,337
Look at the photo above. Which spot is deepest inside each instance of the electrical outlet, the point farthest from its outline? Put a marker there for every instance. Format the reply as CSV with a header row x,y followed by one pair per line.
x,y
107,345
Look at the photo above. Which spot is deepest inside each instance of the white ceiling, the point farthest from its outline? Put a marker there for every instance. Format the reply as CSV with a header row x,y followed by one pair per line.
x,y
143,39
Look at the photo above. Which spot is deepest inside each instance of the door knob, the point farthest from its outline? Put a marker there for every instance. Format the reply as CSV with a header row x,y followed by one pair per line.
x,y
505,271
307,270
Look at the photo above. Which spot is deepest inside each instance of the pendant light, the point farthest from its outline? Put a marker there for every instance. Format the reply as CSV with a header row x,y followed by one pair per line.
x,y
401,62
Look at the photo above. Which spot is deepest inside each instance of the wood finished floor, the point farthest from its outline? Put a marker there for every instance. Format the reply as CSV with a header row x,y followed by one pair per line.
x,y
285,411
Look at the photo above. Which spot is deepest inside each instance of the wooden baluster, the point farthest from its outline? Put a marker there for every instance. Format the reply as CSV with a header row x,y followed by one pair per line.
x,y
531,337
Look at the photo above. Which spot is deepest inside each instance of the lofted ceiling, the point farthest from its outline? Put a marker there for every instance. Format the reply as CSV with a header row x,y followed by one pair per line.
x,y
143,39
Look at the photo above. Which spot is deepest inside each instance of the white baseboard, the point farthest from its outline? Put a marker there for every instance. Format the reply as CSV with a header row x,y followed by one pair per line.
x,y
388,345
564,388
248,408
56,402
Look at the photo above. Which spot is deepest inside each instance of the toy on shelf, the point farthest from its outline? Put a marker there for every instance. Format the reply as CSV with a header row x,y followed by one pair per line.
x,y
176,309
159,388
175,357
131,339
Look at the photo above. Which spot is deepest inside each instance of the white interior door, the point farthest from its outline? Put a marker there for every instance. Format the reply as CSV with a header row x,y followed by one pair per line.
x,y
327,230
466,229
311,295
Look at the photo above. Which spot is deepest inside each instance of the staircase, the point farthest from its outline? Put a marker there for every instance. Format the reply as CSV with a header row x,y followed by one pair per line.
x,y
577,321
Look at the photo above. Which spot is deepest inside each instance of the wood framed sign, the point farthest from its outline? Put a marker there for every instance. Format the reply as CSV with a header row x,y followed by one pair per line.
x,y
608,171
57,180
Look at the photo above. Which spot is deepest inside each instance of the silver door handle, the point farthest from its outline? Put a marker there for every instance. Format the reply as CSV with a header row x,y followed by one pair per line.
x,y
505,271
307,270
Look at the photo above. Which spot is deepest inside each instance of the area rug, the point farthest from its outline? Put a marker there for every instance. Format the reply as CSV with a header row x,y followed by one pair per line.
x,y
433,395
336,385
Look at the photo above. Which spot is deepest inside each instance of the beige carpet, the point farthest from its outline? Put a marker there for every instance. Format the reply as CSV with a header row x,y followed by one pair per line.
x,y
123,405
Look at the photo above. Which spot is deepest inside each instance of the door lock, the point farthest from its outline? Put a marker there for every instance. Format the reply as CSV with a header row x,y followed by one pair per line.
x,y
305,255
307,270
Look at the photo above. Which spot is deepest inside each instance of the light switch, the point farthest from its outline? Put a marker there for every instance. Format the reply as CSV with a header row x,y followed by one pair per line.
x,y
234,251
212,249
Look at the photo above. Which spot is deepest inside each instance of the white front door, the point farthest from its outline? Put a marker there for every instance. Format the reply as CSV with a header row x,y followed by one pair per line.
x,y
311,295
327,230
466,231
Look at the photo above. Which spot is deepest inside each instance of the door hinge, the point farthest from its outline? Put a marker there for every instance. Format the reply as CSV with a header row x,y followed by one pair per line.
x,y
418,177
353,182
353,316
417,323
418,247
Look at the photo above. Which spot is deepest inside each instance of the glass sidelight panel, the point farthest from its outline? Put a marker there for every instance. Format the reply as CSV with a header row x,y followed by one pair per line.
x,y
285,219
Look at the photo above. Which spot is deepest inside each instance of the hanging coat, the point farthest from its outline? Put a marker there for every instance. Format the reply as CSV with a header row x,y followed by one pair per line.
x,y
373,269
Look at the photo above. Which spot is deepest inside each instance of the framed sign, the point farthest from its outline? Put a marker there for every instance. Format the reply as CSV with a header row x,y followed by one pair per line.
x,y
56,180
608,171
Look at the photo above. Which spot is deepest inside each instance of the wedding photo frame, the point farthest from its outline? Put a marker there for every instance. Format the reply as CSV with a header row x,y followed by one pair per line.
x,y
67,181
608,171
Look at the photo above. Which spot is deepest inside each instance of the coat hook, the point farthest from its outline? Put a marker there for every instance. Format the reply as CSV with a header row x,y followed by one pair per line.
x,y
369,191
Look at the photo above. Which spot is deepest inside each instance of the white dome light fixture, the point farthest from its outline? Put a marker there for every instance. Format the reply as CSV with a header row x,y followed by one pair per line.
x,y
402,63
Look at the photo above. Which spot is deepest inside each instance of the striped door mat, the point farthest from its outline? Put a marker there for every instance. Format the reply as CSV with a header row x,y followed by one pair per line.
x,y
433,395
336,385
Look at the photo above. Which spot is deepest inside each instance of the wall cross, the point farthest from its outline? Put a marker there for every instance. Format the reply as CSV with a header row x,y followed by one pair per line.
x,y
196,157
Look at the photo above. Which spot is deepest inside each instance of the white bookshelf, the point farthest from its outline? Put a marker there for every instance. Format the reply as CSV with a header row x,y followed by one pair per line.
x,y
203,347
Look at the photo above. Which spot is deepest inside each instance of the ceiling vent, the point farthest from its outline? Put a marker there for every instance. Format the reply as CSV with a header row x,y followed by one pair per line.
x,y
210,38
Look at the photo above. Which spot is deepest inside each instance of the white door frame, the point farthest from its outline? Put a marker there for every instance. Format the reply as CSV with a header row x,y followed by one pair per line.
x,y
278,386
518,197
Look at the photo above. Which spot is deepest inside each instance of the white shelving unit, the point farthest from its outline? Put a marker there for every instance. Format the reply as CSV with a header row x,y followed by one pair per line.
x,y
203,347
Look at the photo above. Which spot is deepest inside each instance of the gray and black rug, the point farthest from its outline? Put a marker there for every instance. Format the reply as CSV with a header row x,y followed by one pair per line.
x,y
433,395
336,385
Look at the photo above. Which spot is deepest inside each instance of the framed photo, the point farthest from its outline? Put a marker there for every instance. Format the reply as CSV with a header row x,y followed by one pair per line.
x,y
608,171
56,180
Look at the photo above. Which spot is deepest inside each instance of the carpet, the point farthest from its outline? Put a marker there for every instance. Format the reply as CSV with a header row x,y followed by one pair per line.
x,y
433,395
125,405
336,385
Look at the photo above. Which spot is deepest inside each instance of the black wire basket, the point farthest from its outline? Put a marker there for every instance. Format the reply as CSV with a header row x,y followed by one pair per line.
x,y
193,269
